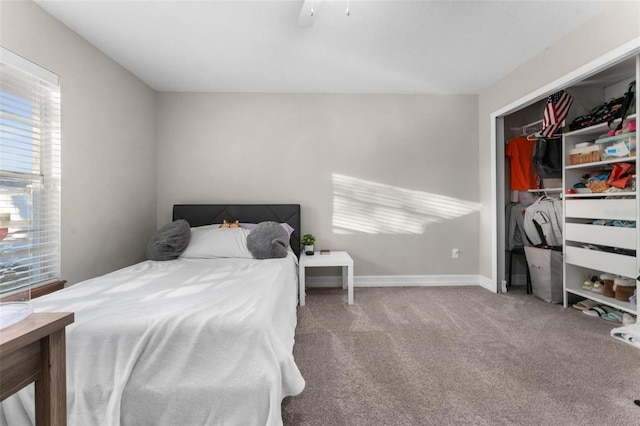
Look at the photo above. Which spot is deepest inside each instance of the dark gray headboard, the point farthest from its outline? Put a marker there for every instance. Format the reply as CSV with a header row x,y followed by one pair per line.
x,y
206,214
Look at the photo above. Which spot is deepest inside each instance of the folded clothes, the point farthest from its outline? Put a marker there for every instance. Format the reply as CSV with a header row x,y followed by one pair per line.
x,y
617,223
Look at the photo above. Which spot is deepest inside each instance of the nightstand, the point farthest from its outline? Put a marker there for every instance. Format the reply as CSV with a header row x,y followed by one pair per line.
x,y
334,258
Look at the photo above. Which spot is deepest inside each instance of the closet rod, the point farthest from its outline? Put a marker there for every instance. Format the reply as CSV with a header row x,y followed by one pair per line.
x,y
526,126
535,123
547,191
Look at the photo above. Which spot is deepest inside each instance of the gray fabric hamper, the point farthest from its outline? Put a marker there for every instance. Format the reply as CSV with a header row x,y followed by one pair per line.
x,y
545,268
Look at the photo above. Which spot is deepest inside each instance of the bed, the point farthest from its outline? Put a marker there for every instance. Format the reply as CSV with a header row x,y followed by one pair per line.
x,y
187,341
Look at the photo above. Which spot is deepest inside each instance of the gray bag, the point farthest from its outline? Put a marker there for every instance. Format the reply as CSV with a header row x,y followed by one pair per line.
x,y
545,268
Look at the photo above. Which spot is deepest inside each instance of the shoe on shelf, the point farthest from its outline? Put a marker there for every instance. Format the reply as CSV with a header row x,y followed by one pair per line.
x,y
598,287
628,319
585,304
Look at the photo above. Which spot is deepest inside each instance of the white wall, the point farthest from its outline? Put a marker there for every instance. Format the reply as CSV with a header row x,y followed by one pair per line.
x,y
415,152
614,27
108,144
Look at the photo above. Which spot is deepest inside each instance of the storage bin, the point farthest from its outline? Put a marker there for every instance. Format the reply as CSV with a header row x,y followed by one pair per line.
x,y
589,154
618,146
545,269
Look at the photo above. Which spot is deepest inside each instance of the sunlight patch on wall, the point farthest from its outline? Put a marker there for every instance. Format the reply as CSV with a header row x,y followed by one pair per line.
x,y
375,208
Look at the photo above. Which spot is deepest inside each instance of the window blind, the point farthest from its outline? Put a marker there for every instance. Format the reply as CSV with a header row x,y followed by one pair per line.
x,y
29,175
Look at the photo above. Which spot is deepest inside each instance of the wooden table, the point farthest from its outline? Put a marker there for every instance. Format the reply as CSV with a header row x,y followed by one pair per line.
x,y
33,350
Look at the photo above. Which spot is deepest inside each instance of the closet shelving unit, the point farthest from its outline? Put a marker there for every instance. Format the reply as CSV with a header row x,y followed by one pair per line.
x,y
581,235
593,249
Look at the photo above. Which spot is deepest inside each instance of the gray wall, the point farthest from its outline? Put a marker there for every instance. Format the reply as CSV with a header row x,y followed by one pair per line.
x,y
431,153
390,178
108,144
607,31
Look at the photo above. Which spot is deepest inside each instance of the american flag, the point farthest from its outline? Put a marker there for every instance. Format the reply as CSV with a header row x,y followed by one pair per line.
x,y
555,112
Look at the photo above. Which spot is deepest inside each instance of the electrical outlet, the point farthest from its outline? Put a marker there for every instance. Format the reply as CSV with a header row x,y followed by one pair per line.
x,y
455,253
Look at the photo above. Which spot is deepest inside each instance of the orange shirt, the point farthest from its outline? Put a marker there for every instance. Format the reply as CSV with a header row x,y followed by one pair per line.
x,y
523,175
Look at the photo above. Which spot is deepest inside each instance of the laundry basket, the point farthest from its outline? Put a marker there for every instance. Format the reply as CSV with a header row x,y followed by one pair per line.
x,y
545,268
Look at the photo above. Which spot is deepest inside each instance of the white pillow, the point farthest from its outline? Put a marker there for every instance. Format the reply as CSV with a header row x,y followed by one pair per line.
x,y
285,226
212,241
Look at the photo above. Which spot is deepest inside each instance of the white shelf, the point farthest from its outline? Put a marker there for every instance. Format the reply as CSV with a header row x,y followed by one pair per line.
x,y
596,129
596,164
609,301
600,194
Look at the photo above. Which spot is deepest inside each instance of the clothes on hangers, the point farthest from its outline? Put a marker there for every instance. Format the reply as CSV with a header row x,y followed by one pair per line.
x,y
514,218
543,222
523,175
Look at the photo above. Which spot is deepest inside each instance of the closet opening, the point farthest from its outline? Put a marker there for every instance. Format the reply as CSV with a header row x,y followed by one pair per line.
x,y
527,188
520,124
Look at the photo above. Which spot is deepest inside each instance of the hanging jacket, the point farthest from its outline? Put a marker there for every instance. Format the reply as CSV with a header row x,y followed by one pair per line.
x,y
543,222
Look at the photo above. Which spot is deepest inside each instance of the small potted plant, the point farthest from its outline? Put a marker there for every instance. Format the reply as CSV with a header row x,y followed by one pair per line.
x,y
308,240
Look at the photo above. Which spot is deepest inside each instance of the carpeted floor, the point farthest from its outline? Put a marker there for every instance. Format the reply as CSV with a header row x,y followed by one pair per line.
x,y
458,356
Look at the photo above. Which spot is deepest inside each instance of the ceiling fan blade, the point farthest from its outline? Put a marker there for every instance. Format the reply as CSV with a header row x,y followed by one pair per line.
x,y
308,13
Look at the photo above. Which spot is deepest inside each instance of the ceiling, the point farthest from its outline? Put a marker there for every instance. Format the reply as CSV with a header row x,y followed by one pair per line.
x,y
265,46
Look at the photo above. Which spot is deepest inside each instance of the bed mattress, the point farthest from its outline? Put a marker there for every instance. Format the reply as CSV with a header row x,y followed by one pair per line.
x,y
185,341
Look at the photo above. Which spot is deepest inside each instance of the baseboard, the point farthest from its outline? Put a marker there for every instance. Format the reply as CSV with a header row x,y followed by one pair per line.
x,y
488,284
399,281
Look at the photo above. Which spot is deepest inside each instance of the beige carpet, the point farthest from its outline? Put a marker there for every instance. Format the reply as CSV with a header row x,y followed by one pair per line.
x,y
458,356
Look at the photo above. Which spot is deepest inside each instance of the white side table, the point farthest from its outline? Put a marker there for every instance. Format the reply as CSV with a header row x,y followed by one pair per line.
x,y
334,258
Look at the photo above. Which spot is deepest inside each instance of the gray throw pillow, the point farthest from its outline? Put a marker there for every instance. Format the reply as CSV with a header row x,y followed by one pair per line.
x,y
269,240
169,241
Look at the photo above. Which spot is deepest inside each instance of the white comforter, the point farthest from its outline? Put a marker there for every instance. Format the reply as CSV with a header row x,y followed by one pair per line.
x,y
181,342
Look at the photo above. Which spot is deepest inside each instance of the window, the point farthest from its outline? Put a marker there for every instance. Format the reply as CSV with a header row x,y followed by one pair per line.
x,y
29,175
